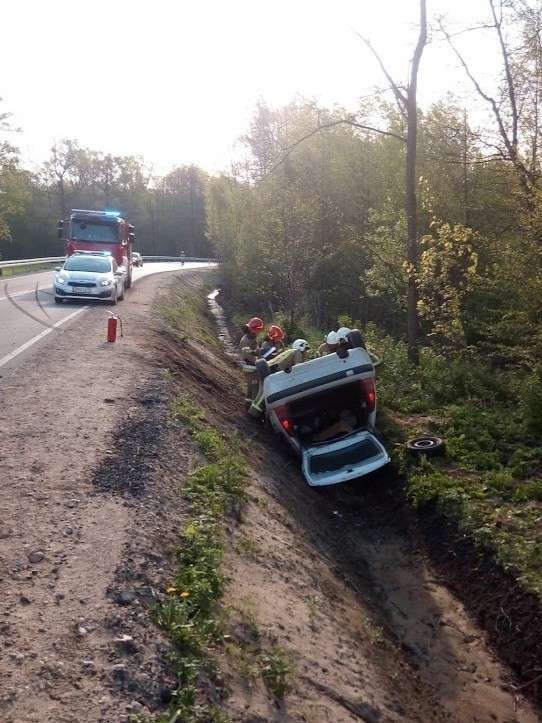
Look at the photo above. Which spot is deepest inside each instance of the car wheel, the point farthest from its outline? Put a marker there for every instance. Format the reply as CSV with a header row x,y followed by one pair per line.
x,y
58,301
356,340
120,296
428,446
262,369
115,299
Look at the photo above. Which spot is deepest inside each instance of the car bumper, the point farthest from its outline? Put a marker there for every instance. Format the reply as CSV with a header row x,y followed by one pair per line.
x,y
96,295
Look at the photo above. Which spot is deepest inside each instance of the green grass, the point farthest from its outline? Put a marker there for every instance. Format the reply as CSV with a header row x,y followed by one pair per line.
x,y
193,612
189,317
278,670
10,271
490,481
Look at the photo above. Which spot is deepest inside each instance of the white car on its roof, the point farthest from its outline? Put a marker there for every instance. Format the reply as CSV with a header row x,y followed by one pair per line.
x,y
325,409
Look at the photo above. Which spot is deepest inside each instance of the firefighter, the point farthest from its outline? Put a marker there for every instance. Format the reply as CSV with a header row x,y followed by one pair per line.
x,y
343,342
283,362
295,355
342,335
250,351
331,344
273,343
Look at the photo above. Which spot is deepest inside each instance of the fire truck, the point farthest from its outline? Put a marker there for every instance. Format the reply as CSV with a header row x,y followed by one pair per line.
x,y
99,231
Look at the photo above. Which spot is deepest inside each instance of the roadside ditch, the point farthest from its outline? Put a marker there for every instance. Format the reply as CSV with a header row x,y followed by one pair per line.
x,y
441,596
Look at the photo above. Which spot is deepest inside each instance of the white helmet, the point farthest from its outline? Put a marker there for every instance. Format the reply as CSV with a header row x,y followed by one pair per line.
x,y
301,345
331,338
342,333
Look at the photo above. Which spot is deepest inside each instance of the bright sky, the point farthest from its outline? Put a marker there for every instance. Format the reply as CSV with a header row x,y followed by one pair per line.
x,y
176,82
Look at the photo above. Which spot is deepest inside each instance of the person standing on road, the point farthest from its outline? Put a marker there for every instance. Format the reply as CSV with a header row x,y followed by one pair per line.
x,y
250,351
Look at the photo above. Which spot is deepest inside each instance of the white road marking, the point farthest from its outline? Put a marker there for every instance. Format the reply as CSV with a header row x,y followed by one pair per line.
x,y
30,342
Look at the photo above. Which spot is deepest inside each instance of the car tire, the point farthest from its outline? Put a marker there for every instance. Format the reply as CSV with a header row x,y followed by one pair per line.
x,y
427,446
120,297
115,299
355,337
58,301
262,369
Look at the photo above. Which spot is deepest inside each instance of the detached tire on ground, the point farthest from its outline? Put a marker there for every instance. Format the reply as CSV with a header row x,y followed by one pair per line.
x,y
428,446
355,337
262,369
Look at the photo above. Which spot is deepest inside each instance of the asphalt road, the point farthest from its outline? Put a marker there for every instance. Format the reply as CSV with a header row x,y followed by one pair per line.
x,y
28,312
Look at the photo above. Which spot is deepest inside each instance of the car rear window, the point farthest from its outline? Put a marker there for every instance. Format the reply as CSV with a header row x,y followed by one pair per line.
x,y
350,456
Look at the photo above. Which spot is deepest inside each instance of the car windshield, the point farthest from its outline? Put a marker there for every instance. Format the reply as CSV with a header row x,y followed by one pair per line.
x,y
350,456
97,232
88,263
135,256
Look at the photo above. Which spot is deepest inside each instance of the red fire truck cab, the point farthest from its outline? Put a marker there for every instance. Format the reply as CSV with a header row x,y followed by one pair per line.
x,y
99,231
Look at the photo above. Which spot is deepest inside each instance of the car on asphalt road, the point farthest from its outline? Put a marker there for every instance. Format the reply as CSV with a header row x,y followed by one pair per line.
x,y
90,275
137,259
325,410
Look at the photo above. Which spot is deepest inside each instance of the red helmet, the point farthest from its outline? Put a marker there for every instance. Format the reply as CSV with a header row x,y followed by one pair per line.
x,y
255,325
275,333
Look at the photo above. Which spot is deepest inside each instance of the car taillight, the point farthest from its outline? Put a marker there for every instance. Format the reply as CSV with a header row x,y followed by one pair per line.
x,y
285,421
370,394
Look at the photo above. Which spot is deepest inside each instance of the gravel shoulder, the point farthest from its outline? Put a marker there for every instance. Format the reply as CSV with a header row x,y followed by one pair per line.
x,y
90,515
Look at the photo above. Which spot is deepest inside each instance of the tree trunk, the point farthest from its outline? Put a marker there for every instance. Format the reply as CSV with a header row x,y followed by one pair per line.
x,y
411,197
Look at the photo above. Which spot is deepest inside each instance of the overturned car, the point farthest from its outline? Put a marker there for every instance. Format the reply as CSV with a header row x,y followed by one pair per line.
x,y
325,409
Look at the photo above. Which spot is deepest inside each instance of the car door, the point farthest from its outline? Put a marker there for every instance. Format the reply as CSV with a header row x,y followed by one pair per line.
x,y
332,462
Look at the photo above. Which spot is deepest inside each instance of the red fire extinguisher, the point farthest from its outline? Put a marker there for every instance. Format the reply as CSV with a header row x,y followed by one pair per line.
x,y
112,327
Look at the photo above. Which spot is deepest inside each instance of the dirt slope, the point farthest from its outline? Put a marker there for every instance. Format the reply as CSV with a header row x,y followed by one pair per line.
x,y
89,521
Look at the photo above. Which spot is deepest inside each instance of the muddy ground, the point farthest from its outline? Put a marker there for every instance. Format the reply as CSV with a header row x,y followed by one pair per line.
x,y
385,616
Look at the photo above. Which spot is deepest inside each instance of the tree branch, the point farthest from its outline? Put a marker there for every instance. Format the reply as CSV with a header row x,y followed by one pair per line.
x,y
399,95
331,124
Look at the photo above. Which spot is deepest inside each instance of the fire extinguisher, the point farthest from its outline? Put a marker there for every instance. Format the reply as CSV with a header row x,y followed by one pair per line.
x,y
112,327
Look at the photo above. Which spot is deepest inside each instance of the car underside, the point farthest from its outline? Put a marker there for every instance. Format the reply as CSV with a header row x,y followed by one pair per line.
x,y
329,414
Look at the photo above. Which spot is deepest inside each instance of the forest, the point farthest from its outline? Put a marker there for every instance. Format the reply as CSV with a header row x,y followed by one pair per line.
x,y
168,212
420,227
